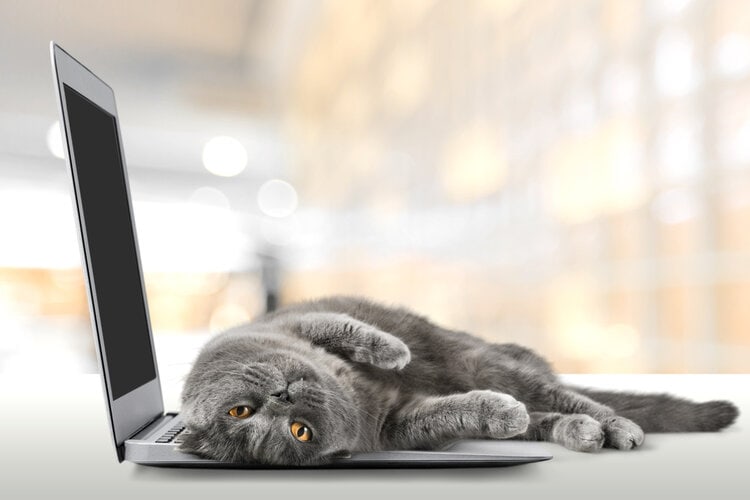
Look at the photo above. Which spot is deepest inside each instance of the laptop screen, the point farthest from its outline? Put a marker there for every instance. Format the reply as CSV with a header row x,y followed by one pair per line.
x,y
111,245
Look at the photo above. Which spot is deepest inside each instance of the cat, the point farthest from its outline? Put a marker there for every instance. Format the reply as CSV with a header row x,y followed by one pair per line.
x,y
319,380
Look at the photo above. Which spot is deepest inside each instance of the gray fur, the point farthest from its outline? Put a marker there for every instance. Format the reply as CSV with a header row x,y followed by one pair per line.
x,y
366,377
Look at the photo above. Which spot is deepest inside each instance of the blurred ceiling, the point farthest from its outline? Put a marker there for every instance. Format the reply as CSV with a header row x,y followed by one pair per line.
x,y
182,70
222,52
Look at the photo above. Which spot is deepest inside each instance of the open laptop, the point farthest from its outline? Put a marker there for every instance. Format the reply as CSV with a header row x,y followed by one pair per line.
x,y
142,432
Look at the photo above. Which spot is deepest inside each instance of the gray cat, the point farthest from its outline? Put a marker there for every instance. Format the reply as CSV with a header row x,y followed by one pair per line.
x,y
315,381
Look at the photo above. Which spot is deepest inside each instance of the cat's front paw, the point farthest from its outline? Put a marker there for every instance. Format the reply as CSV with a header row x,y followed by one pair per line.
x,y
382,350
499,415
578,432
622,433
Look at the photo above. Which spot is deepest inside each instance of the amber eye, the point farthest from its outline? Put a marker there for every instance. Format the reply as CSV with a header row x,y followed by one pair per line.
x,y
301,432
241,412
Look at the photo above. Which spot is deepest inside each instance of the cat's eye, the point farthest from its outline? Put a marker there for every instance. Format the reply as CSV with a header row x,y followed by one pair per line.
x,y
241,412
301,432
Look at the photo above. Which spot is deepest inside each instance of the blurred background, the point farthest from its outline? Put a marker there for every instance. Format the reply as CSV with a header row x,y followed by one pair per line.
x,y
570,175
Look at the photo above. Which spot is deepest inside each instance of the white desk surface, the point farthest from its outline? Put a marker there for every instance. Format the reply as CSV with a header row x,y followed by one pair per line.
x,y
54,443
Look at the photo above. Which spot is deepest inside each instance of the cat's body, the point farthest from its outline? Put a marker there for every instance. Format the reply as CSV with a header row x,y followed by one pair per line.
x,y
352,375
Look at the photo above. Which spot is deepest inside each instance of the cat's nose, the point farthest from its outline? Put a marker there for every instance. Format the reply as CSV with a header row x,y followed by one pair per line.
x,y
282,396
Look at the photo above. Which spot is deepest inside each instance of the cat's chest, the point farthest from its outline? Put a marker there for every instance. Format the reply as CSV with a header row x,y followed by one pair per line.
x,y
376,400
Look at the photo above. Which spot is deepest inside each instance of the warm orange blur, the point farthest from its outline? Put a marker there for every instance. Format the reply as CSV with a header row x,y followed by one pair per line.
x,y
573,176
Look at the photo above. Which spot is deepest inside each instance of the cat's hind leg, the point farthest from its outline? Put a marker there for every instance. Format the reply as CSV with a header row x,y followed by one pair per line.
x,y
619,432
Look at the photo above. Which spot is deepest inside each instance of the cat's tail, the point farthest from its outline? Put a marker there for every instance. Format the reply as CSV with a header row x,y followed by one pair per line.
x,y
666,413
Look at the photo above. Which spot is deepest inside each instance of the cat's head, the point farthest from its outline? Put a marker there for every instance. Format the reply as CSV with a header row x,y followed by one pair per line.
x,y
274,406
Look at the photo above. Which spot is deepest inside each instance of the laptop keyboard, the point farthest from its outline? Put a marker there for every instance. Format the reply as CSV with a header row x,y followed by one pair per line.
x,y
173,435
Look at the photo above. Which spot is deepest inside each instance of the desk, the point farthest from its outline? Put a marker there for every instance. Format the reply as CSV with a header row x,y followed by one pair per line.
x,y
55,443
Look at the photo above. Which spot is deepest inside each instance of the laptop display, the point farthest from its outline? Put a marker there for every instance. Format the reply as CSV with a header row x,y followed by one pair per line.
x,y
111,244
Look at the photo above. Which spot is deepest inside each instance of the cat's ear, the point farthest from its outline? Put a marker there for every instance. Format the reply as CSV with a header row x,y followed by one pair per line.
x,y
352,339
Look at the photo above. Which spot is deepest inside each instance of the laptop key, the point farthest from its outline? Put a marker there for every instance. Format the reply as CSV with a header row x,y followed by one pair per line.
x,y
170,435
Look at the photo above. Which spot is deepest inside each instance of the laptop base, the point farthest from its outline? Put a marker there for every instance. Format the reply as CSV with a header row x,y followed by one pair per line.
x,y
144,449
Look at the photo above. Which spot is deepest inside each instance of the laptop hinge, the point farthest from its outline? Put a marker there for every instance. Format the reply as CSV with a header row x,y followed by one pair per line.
x,y
147,425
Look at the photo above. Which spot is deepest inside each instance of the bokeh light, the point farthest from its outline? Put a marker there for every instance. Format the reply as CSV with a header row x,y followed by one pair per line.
x,y
224,156
277,198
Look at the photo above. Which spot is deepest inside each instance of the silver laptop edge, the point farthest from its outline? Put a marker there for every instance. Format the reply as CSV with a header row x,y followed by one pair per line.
x,y
131,412
137,418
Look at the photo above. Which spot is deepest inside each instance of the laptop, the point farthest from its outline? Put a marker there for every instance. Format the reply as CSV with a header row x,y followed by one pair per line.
x,y
142,432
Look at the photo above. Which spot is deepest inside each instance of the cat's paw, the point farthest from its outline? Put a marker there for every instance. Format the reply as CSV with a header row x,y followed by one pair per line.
x,y
579,432
622,433
382,350
499,415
